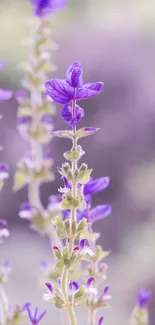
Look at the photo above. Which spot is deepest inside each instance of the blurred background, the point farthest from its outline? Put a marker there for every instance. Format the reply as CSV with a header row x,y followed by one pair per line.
x,y
115,42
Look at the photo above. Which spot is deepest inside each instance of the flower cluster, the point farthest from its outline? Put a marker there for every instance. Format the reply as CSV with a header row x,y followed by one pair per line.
x,y
76,202
35,118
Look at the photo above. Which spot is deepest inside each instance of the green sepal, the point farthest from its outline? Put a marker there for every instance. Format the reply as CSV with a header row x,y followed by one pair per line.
x,y
65,252
59,302
80,293
82,225
67,263
61,233
84,176
20,179
67,226
59,223
72,155
43,174
59,265
73,227
82,234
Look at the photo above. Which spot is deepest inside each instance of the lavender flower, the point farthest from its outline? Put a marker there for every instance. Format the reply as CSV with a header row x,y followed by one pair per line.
x,y
95,214
43,7
34,315
5,94
75,190
35,118
143,298
63,91
27,211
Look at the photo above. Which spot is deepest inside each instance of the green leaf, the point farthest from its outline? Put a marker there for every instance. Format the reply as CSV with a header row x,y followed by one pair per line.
x,y
84,132
63,134
20,180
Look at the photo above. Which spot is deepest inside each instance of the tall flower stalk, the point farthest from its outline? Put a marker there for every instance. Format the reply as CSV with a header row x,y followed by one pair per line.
x,y
35,117
75,228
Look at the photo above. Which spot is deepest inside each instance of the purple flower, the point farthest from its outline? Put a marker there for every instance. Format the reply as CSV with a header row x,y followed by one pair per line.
x,y
105,295
96,185
89,281
68,117
63,91
3,223
5,94
143,298
50,292
47,6
24,120
34,316
74,75
47,119
27,211
73,287
94,214
101,320
82,244
4,171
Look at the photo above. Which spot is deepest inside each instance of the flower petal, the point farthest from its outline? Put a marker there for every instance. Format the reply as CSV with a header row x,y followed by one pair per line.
x,y
143,298
67,115
89,281
59,90
74,75
89,90
101,319
96,185
49,286
99,212
5,94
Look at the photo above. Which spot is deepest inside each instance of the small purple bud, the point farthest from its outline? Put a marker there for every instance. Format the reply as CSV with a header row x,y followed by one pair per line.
x,y
76,250
27,211
24,120
89,281
82,244
50,287
143,298
3,223
101,320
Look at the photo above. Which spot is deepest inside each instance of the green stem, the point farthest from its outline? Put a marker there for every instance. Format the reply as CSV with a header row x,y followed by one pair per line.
x,y
71,315
3,307
69,306
92,315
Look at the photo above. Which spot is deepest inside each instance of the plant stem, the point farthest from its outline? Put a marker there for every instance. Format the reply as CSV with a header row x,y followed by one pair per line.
x,y
3,306
92,315
92,312
69,306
